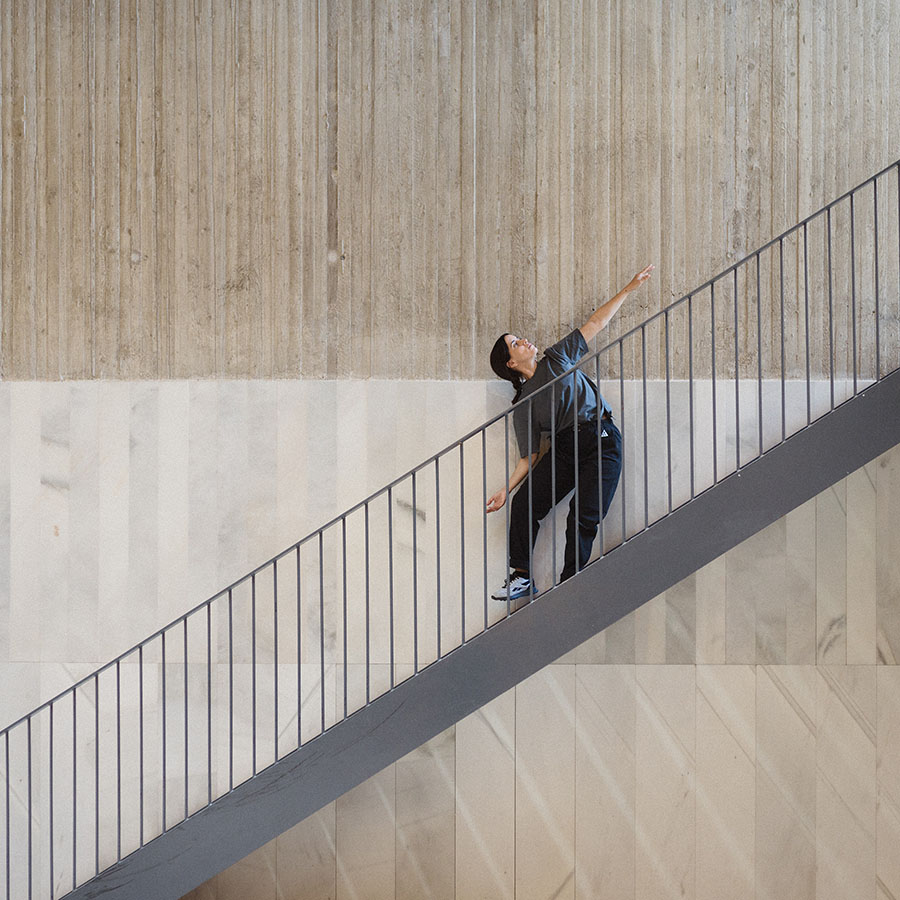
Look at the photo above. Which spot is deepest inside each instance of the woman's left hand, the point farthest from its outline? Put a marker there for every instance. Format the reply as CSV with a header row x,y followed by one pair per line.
x,y
496,501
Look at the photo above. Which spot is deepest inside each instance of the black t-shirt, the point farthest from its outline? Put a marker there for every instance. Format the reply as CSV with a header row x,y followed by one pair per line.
x,y
559,402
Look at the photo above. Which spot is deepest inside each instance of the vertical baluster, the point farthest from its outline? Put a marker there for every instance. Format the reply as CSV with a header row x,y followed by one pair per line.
x,y
164,753
253,672
507,505
415,578
484,521
96,775
368,640
553,480
118,761
462,546
74,787
8,832
391,578
30,816
830,313
599,446
853,289
299,654
783,368
322,629
622,479
691,386
877,291
806,317
530,495
646,458
140,744
209,702
715,435
437,530
344,602
668,414
737,378
230,689
52,829
186,737
759,366
275,649
577,498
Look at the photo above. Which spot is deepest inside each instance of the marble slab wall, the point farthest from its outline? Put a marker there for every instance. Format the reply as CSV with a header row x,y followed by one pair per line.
x,y
125,504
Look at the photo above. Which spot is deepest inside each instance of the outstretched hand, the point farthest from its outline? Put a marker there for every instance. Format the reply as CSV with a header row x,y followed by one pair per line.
x,y
640,278
496,501
600,319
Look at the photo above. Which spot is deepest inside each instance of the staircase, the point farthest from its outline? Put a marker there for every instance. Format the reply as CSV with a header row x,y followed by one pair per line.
x,y
376,632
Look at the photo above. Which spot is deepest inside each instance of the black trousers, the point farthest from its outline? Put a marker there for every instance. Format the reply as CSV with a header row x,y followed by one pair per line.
x,y
592,502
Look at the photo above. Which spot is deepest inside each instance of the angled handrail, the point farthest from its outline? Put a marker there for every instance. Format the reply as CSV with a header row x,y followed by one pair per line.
x,y
386,588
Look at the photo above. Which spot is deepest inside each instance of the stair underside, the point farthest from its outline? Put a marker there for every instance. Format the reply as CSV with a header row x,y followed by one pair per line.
x,y
493,662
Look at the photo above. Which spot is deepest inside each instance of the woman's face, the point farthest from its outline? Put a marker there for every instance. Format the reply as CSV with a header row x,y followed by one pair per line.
x,y
520,350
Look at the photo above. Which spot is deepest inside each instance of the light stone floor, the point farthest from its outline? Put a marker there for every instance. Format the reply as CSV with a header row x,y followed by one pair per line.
x,y
737,736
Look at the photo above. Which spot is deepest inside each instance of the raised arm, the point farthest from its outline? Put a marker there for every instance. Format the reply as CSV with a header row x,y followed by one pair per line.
x,y
602,315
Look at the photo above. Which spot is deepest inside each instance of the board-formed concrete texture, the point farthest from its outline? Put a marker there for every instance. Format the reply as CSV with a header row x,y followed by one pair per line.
x,y
314,190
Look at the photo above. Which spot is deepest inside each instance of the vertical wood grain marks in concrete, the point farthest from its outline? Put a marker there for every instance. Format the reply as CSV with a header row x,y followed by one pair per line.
x,y
345,188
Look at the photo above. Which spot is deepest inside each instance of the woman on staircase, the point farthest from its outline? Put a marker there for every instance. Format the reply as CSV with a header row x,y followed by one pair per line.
x,y
516,360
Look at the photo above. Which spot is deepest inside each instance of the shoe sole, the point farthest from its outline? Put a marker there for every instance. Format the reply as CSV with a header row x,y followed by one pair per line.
x,y
503,598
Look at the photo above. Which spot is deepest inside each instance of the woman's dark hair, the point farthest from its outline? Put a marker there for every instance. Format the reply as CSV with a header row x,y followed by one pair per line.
x,y
499,360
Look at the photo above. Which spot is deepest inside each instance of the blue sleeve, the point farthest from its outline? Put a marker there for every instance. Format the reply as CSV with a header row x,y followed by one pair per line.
x,y
569,350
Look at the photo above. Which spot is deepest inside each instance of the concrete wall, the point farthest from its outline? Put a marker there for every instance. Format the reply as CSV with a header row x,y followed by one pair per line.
x,y
348,188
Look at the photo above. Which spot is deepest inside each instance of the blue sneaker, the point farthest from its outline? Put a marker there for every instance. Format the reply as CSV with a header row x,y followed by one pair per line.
x,y
514,587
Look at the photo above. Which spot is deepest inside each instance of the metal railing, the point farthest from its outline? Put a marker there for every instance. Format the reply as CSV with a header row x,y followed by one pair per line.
x,y
403,578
